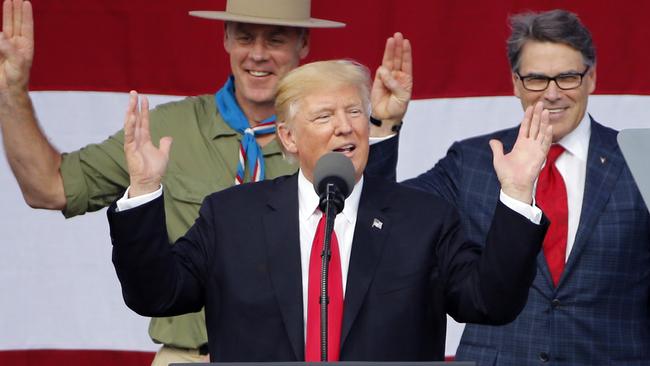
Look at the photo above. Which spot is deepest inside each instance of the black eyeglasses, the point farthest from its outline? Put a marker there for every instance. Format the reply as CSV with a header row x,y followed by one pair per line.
x,y
566,81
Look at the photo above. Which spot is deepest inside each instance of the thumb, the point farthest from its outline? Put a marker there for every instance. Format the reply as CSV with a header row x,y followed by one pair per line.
x,y
166,145
388,80
497,150
378,82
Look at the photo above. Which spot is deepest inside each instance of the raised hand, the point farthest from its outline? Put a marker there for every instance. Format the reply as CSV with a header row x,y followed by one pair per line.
x,y
146,163
16,45
393,84
518,170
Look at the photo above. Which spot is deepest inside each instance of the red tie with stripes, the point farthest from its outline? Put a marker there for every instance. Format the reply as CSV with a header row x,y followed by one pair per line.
x,y
551,197
335,291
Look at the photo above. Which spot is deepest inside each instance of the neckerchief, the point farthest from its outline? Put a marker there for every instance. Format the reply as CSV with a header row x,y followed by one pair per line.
x,y
250,153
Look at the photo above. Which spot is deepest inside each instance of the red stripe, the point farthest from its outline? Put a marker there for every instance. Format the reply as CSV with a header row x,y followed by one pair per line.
x,y
82,357
75,358
255,178
459,50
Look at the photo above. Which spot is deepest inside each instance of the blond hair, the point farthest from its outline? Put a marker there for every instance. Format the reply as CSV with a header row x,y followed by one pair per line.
x,y
320,75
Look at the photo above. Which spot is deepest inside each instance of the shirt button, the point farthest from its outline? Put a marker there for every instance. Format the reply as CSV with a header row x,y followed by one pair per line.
x,y
555,303
543,356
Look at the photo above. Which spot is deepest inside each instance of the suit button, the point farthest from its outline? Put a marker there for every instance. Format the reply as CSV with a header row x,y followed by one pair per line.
x,y
555,303
543,356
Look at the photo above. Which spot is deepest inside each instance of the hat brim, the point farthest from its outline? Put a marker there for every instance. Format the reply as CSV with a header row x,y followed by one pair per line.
x,y
308,23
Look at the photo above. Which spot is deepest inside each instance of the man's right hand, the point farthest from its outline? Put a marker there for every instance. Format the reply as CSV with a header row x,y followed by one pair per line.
x,y
392,87
146,163
33,160
16,46
518,170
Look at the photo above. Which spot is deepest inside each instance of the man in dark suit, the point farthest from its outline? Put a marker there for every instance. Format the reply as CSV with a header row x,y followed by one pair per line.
x,y
400,257
592,306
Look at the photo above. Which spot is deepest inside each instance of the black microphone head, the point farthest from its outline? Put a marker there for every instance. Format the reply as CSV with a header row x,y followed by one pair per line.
x,y
334,168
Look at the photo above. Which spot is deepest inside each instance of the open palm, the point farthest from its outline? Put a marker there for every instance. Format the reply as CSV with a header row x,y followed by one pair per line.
x,y
16,44
518,170
146,163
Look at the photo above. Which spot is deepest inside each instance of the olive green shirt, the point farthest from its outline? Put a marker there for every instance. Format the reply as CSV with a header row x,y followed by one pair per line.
x,y
203,160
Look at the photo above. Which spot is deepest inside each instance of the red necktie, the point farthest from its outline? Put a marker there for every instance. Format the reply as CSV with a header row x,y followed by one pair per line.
x,y
552,199
335,291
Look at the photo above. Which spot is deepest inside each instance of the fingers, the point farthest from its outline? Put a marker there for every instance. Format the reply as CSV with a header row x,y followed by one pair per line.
x,y
536,120
525,123
27,26
6,48
144,119
389,54
543,124
547,139
407,58
130,118
7,18
18,17
397,54
403,58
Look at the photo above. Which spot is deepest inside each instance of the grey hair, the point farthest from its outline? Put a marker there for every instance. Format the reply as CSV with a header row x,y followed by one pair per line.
x,y
556,26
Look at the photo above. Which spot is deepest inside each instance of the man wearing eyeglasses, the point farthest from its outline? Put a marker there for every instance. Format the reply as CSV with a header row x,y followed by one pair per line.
x,y
590,301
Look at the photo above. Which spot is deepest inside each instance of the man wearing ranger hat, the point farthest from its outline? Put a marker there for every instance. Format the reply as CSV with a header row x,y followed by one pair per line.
x,y
219,140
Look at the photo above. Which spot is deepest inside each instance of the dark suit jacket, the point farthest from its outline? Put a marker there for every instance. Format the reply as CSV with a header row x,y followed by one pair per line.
x,y
600,312
241,260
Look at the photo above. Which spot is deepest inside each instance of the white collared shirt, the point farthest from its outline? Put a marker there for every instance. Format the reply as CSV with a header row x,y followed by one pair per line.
x,y
308,217
572,165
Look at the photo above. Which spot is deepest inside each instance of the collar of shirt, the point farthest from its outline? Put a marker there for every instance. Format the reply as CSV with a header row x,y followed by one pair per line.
x,y
573,168
576,142
308,200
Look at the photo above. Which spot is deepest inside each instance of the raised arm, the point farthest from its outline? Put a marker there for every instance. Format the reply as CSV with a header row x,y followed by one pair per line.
x,y
392,87
33,160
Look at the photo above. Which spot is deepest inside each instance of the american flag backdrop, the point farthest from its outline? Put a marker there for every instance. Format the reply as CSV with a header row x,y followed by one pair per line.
x,y
60,301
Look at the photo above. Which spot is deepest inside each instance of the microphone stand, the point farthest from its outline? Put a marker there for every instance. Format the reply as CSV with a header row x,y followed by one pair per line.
x,y
333,204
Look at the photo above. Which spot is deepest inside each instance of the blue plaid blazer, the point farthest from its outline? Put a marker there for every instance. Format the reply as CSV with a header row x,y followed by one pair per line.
x,y
600,312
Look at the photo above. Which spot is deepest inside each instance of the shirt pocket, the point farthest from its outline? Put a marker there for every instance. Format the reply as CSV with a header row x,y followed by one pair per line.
x,y
186,189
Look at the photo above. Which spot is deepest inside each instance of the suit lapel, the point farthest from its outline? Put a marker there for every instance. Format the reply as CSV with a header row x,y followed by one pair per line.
x,y
604,165
283,256
370,234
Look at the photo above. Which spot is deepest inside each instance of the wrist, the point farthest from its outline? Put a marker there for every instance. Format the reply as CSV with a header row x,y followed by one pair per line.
x,y
15,96
524,195
142,188
386,127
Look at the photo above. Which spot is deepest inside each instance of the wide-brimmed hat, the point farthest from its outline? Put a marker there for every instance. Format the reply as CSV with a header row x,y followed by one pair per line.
x,y
292,13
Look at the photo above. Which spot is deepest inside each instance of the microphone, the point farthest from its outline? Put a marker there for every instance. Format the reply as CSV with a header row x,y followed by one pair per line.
x,y
333,182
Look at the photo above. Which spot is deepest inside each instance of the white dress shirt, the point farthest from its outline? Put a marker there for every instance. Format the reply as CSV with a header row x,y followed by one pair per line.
x,y
308,217
572,165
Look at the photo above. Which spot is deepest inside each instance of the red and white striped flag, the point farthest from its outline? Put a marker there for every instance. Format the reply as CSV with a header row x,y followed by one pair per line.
x,y
60,300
